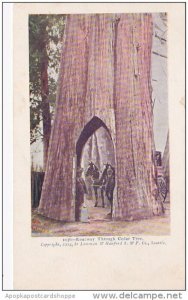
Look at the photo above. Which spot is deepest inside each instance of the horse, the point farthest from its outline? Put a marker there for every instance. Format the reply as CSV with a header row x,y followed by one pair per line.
x,y
107,182
93,171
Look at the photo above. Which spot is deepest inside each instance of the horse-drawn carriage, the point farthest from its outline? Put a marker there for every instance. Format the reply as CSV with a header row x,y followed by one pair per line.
x,y
104,182
162,183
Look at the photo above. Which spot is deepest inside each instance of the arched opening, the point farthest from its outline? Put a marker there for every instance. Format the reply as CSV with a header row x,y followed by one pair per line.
x,y
89,129
95,148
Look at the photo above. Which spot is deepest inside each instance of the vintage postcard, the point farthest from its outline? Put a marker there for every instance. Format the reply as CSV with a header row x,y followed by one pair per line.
x,y
100,89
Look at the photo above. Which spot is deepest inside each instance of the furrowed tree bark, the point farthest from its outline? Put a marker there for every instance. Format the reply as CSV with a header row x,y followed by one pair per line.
x,y
134,129
58,193
105,73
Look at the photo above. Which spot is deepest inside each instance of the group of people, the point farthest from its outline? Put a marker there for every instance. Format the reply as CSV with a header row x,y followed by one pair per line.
x,y
106,184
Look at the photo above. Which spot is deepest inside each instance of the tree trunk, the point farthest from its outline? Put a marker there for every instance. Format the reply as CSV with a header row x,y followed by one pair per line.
x,y
106,148
45,107
87,154
105,74
95,151
134,125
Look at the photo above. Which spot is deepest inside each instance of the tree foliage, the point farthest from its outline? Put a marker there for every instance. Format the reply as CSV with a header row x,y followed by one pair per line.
x,y
45,36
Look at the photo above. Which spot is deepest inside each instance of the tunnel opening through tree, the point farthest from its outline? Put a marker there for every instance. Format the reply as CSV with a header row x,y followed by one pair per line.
x,y
95,151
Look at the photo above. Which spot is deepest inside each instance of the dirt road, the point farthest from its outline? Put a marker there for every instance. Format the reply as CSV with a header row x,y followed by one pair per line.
x,y
100,224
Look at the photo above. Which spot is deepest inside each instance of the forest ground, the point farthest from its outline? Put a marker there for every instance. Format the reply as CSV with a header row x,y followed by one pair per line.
x,y
100,224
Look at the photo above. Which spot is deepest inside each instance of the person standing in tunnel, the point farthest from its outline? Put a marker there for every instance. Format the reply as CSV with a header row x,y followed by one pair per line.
x,y
80,191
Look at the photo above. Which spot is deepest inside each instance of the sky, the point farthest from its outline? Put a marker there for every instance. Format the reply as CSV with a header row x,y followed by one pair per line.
x,y
159,84
159,94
